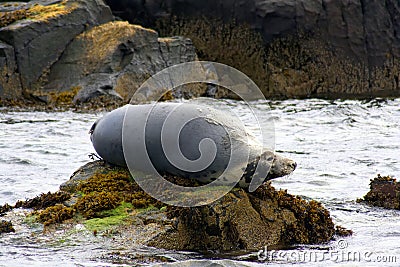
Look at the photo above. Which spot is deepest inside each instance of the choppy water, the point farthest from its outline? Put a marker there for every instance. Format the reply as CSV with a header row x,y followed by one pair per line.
x,y
338,145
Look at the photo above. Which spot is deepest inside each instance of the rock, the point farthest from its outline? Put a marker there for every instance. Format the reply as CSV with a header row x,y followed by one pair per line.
x,y
83,174
106,201
10,83
205,263
239,220
384,192
6,227
364,30
43,29
115,59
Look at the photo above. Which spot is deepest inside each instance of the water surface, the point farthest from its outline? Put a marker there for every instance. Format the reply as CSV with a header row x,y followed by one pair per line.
x,y
338,145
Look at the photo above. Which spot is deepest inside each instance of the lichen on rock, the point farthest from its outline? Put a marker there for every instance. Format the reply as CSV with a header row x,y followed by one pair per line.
x,y
114,59
39,32
36,12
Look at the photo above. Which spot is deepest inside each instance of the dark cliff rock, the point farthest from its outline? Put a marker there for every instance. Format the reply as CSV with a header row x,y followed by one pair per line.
x,y
10,83
57,51
365,30
39,31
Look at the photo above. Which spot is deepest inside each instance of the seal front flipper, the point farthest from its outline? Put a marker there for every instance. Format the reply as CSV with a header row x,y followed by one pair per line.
x,y
93,127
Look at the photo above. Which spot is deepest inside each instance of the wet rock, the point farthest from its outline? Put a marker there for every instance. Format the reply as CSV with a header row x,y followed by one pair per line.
x,y
39,31
108,202
114,59
384,192
83,174
6,227
290,49
364,30
239,220
10,84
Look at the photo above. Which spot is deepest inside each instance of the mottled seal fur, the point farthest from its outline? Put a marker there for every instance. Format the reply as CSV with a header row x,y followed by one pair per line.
x,y
106,136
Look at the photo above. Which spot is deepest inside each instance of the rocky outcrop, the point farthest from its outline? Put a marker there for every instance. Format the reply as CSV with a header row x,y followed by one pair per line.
x,y
63,50
239,220
10,84
39,31
58,50
115,59
105,199
365,30
384,192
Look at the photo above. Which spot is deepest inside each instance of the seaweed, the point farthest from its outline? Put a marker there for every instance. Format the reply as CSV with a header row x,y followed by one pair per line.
x,y
6,227
5,208
43,200
384,192
313,223
55,214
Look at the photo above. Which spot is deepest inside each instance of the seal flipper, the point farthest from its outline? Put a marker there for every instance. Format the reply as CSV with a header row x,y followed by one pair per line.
x,y
92,129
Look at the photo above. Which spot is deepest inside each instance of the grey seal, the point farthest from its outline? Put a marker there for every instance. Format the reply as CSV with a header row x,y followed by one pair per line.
x,y
207,123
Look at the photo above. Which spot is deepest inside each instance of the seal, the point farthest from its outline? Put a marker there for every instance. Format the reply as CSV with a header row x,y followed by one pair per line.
x,y
181,137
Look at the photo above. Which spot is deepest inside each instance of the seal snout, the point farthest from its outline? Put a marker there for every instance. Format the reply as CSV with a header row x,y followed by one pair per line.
x,y
281,167
293,165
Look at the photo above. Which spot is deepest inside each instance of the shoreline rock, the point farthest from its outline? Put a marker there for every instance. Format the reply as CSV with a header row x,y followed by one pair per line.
x,y
105,198
355,27
64,53
41,34
56,53
384,192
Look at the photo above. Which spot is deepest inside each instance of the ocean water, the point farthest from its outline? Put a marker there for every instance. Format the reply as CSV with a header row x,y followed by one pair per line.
x,y
338,146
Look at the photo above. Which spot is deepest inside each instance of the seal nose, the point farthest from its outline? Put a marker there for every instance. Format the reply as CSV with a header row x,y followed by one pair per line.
x,y
293,165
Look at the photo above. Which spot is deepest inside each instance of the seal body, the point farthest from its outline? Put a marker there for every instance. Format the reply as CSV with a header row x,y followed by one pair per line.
x,y
187,140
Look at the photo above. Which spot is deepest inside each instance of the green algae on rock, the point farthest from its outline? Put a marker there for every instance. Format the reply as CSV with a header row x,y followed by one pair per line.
x,y
384,192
